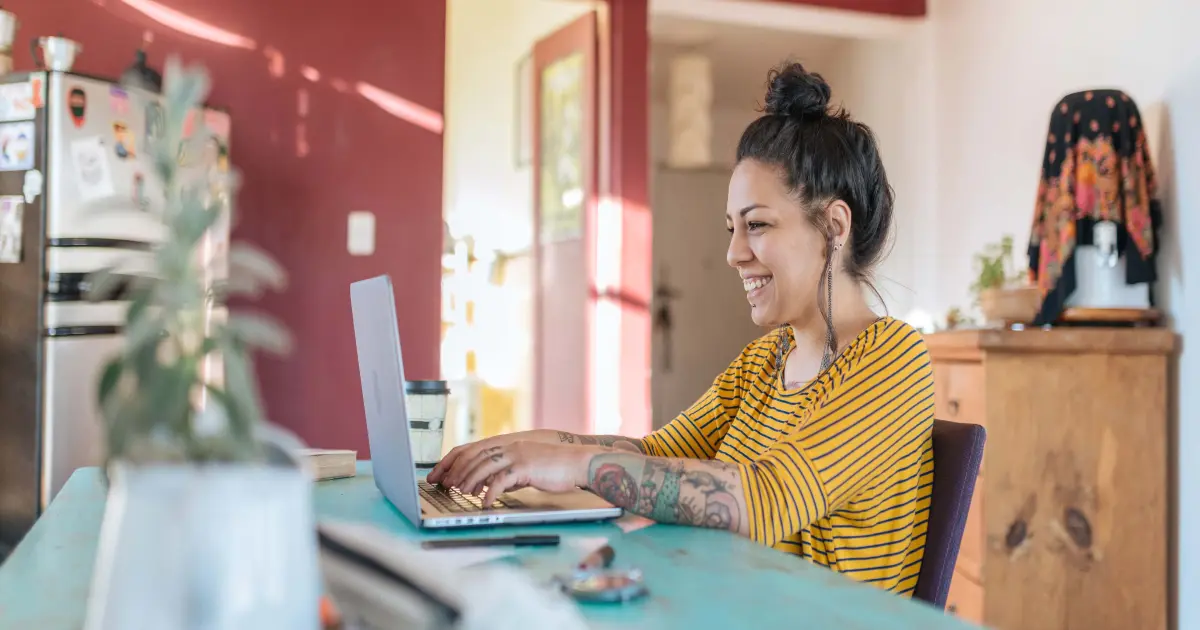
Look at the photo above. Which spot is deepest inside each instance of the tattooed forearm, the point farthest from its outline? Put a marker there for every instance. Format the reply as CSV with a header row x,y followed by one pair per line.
x,y
703,493
612,441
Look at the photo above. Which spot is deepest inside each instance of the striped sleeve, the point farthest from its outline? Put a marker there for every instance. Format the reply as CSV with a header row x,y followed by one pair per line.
x,y
875,420
697,432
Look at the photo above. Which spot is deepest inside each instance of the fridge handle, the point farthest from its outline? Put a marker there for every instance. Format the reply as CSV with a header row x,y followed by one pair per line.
x,y
33,46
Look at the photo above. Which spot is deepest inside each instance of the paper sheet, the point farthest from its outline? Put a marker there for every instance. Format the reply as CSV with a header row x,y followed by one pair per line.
x,y
91,165
633,522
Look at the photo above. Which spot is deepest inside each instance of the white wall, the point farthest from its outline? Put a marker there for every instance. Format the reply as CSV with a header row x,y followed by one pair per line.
x,y
887,84
1000,67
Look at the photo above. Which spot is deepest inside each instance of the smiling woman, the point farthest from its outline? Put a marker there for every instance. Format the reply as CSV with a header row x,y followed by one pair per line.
x,y
817,439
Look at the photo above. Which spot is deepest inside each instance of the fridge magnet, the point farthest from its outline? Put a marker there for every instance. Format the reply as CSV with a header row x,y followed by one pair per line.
x,y
139,191
33,185
91,167
38,82
154,122
16,101
77,103
11,207
118,101
123,141
16,146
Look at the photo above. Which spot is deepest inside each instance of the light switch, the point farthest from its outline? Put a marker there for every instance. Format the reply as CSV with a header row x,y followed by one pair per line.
x,y
360,233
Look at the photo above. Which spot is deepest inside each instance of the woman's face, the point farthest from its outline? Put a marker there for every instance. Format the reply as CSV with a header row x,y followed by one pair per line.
x,y
776,250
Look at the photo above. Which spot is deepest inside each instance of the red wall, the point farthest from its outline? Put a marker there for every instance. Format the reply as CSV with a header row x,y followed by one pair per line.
x,y
359,157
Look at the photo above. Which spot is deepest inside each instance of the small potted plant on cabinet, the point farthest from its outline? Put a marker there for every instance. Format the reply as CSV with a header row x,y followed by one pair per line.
x,y
208,522
1002,293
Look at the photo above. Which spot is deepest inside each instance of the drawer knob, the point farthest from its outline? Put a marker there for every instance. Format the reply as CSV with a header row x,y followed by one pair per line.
x,y
952,609
954,407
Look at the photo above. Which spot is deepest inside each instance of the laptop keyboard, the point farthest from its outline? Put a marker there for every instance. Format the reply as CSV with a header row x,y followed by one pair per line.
x,y
451,500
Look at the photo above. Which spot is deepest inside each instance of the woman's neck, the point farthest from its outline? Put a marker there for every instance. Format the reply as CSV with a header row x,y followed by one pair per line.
x,y
851,315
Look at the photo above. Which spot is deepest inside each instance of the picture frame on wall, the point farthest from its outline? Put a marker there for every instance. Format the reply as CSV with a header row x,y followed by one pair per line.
x,y
523,112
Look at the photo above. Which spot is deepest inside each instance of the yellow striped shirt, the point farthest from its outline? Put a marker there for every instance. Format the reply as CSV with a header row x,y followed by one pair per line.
x,y
840,472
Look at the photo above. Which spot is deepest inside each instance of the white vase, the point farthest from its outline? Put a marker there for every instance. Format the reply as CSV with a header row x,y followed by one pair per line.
x,y
206,547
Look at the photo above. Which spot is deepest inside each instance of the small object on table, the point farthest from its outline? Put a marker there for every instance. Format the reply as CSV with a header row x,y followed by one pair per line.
x,y
599,559
549,540
606,586
594,581
324,463
331,619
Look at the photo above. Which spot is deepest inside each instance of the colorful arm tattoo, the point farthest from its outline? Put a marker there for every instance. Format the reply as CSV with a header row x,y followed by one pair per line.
x,y
702,493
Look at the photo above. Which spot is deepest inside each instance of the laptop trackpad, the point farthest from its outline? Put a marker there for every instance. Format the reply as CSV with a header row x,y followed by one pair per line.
x,y
570,500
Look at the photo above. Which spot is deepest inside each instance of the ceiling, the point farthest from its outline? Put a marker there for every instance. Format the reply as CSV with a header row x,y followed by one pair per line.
x,y
741,55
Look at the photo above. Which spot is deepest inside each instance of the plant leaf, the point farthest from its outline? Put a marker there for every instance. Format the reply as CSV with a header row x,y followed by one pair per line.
x,y
257,264
259,331
110,375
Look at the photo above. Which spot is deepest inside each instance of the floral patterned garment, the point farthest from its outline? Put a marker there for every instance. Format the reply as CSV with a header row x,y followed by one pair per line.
x,y
1096,167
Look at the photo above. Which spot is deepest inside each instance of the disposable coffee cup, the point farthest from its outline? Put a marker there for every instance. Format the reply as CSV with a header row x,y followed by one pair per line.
x,y
425,403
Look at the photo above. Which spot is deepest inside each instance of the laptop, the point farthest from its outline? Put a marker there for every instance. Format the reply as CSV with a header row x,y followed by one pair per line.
x,y
381,369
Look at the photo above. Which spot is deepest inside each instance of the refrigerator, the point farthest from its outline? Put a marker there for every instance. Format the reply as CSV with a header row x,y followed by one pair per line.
x,y
70,152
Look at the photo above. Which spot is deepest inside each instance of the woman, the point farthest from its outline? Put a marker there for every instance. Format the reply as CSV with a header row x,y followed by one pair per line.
x,y
817,438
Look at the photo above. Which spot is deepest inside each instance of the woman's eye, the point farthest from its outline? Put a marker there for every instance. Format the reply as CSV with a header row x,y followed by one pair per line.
x,y
729,228
756,225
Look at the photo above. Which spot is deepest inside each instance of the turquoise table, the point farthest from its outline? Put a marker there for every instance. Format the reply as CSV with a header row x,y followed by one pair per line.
x,y
698,578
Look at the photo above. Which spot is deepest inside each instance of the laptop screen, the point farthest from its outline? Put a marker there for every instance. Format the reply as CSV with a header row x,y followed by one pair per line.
x,y
381,369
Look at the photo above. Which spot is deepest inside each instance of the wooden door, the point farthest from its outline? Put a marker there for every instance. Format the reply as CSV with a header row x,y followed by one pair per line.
x,y
565,165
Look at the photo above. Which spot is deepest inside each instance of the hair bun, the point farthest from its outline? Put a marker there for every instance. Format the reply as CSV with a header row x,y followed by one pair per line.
x,y
796,92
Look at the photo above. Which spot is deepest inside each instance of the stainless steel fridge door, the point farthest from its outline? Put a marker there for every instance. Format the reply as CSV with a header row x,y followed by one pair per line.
x,y
80,337
98,167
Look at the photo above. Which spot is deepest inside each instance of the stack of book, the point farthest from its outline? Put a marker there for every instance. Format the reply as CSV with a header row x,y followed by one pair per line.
x,y
325,463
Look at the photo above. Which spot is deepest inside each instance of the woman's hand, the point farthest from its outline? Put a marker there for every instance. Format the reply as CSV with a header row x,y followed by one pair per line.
x,y
468,452
545,466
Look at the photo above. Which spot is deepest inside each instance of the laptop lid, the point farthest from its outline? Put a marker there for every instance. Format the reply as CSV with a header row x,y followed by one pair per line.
x,y
381,369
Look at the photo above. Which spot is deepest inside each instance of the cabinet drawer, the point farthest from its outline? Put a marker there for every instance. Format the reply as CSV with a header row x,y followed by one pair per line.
x,y
958,392
965,600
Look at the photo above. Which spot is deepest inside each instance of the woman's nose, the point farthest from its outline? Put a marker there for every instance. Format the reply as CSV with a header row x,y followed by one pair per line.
x,y
739,252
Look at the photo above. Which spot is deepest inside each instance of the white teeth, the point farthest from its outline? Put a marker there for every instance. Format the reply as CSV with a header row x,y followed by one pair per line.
x,y
755,283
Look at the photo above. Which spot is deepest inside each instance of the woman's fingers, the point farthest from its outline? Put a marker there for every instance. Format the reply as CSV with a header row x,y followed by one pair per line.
x,y
466,463
484,467
438,472
498,484
454,470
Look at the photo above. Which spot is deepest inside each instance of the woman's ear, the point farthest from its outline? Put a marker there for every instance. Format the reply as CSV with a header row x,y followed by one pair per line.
x,y
839,222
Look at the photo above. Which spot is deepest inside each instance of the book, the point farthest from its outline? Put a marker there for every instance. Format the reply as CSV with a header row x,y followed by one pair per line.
x,y
327,463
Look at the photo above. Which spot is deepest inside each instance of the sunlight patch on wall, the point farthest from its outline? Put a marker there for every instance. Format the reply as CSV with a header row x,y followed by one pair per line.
x,y
402,108
189,25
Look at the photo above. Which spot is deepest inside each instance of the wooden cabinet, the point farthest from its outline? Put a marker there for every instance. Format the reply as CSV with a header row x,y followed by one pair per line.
x,y
1068,527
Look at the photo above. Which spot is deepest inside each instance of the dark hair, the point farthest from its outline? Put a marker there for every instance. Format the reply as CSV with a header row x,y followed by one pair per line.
x,y
823,155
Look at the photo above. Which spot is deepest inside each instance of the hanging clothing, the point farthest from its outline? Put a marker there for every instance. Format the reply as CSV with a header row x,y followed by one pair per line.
x,y
1096,167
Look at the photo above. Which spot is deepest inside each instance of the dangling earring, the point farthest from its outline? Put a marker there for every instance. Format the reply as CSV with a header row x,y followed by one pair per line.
x,y
830,343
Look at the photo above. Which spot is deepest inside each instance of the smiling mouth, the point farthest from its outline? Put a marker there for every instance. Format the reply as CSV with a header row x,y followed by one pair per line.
x,y
754,286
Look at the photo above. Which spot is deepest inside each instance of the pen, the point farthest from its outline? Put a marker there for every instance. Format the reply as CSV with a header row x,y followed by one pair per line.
x,y
511,541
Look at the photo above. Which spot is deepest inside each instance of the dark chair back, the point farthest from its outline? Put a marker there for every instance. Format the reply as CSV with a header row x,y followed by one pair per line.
x,y
957,452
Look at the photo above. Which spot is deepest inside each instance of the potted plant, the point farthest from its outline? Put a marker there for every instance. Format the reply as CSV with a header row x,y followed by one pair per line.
x,y
1002,293
208,522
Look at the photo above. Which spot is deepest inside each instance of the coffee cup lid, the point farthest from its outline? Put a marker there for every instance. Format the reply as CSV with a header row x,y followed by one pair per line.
x,y
426,387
